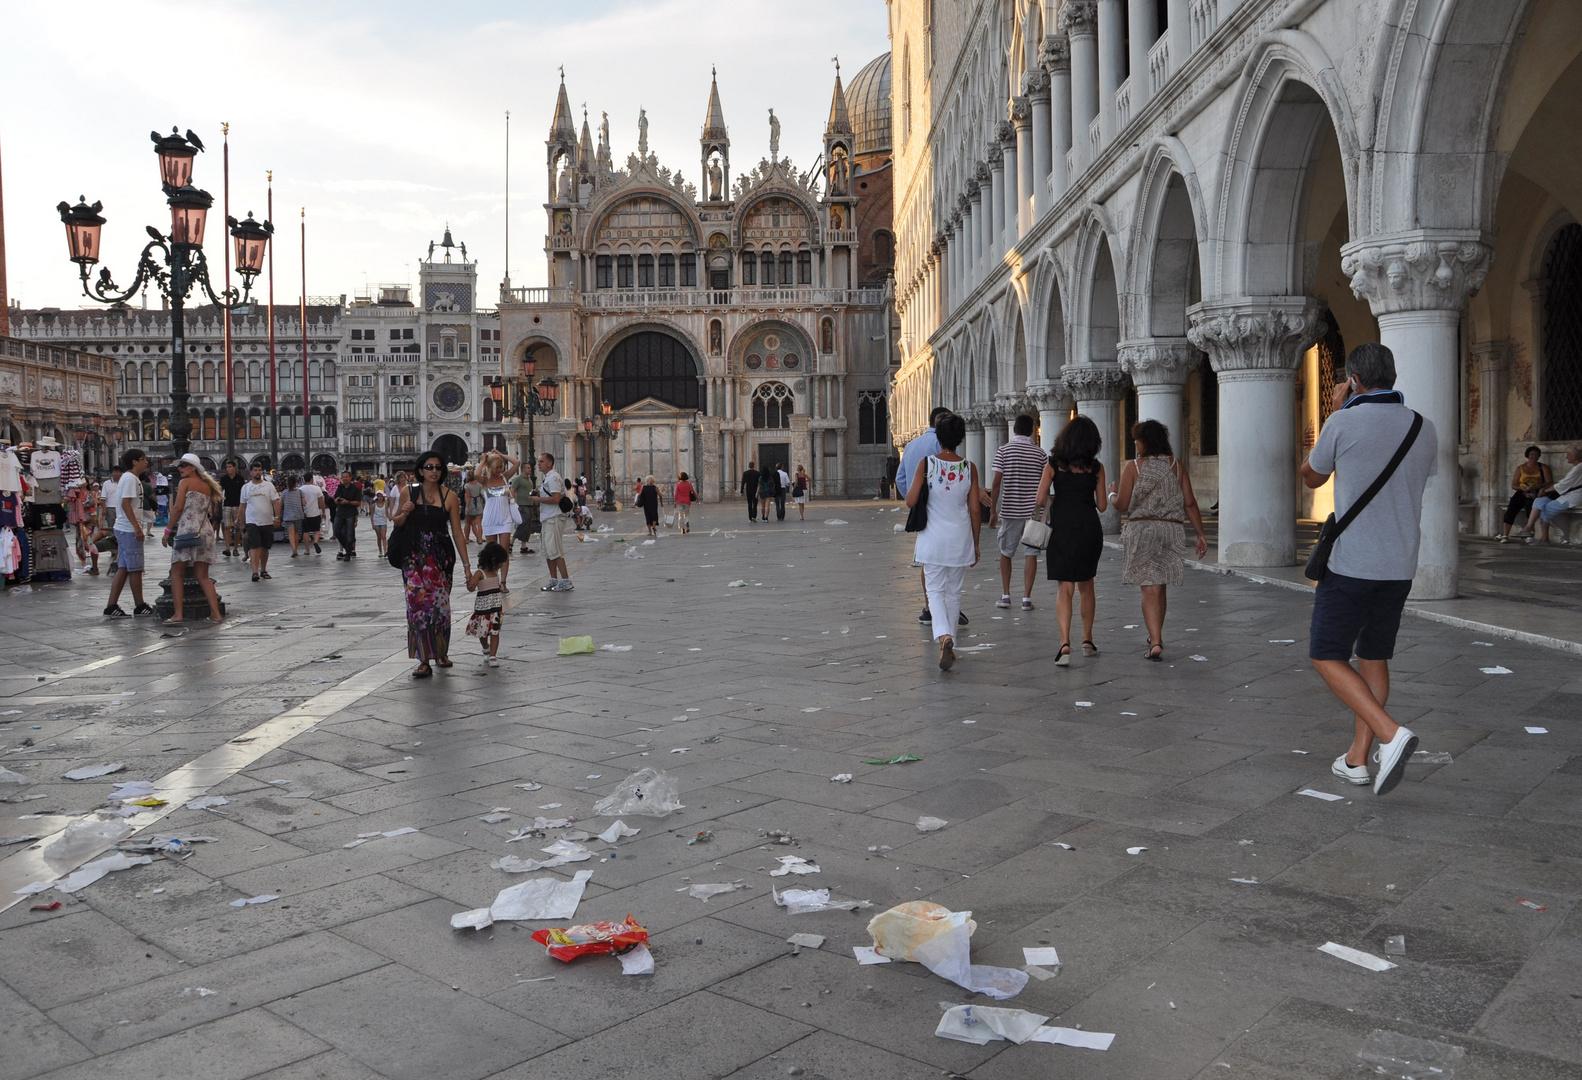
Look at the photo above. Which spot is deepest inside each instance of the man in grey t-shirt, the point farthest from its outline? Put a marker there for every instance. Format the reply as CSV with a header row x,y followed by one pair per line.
x,y
1357,606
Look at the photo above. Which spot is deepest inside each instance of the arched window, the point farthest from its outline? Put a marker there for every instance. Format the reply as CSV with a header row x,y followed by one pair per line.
x,y
208,377
194,376
162,428
255,377
604,272
689,270
749,267
149,430
329,422
623,271
645,271
255,424
785,268
650,364
873,418
766,268
239,376
804,268
667,271
773,404
883,247
316,423
906,89
1560,414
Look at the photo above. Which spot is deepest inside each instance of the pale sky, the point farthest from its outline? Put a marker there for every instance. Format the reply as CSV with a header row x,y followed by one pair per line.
x,y
385,120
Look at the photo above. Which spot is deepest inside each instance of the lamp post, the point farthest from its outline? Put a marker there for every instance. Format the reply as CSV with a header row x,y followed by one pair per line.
x,y
520,399
180,266
603,423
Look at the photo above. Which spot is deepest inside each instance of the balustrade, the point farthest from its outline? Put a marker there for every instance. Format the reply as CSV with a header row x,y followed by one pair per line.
x,y
1159,63
1205,17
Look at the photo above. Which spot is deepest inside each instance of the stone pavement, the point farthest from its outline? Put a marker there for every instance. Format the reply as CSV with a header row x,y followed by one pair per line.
x,y
815,665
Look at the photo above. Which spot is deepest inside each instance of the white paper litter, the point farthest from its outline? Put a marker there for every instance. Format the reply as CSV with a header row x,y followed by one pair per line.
x,y
9,777
85,838
806,941
494,819
201,991
615,648
704,892
793,864
1135,850
1040,973
841,778
1537,731
737,584
88,772
868,955
1199,659
931,824
1043,957
529,786
88,873
1064,1036
807,901
1356,956
982,1024
949,955
1084,704
616,832
476,919
264,899
834,521
204,802
133,789
540,898
637,961
1497,670
1245,880
1326,796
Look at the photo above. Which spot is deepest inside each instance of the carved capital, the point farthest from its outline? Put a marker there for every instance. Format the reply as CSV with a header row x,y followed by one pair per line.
x,y
1266,334
1158,361
974,187
1005,133
1020,111
1054,54
1079,17
1051,396
1035,84
1426,270
962,208
996,156
981,173
1492,356
1094,382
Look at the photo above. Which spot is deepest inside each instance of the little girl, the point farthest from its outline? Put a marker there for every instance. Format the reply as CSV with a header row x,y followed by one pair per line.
x,y
487,613
381,519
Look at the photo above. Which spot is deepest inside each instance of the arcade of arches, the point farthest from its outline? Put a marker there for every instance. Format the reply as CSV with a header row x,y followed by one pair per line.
x,y
1103,216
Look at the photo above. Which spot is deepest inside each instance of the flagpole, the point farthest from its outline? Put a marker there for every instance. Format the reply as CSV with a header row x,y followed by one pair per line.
x,y
507,289
302,320
274,405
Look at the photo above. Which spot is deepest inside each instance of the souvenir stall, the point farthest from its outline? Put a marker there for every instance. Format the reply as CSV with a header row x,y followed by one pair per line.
x,y
35,513
15,555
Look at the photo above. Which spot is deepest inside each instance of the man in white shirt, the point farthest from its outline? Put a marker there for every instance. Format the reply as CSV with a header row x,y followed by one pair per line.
x,y
261,503
312,512
127,498
552,524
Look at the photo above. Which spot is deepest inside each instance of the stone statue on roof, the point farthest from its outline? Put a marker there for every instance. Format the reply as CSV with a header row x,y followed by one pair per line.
x,y
774,134
642,132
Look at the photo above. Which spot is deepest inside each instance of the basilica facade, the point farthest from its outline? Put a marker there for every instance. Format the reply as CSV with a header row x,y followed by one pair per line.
x,y
745,318
1190,210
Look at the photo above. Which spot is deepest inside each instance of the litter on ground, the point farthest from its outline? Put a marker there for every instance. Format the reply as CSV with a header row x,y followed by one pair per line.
x,y
806,941
981,1024
646,793
931,824
899,759
248,900
1356,956
793,864
1326,796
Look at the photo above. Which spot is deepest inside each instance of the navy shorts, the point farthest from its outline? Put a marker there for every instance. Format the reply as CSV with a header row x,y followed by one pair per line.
x,y
1356,615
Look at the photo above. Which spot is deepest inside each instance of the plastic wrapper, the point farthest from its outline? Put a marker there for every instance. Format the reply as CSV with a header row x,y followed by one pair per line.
x,y
572,646
84,838
646,793
12,779
901,929
591,939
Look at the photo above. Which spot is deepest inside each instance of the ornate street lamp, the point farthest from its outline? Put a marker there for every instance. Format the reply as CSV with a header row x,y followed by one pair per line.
x,y
180,265
608,426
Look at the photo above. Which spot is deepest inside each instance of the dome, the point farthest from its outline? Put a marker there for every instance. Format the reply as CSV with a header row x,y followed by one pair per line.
x,y
868,102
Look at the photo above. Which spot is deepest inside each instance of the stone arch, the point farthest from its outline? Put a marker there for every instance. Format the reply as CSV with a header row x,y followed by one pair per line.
x,y
594,364
1165,253
650,361
1287,102
544,349
1017,381
604,208
1047,343
799,348
1097,329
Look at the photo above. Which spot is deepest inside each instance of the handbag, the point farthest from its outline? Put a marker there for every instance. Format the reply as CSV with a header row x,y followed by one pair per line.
x,y
1329,532
400,542
917,517
187,540
1036,532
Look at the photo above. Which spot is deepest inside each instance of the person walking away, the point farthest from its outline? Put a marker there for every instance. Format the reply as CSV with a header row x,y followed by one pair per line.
x,y
650,498
552,524
1156,495
129,536
526,508
1558,497
1017,468
472,493
380,517
1532,476
768,485
231,484
190,536
489,609
500,517
781,491
291,511
749,488
799,492
685,494
1358,603
434,541
312,514
348,504
261,508
915,453
949,543
1074,479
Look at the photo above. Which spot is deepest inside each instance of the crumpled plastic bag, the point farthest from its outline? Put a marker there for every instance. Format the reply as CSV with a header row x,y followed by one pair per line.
x,y
901,929
591,939
949,955
9,777
84,838
983,1024
540,898
572,646
647,793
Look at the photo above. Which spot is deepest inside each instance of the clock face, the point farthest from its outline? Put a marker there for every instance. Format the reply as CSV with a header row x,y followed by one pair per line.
x,y
449,397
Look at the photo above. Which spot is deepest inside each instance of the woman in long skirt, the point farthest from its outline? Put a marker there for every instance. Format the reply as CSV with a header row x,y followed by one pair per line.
x,y
430,562
948,545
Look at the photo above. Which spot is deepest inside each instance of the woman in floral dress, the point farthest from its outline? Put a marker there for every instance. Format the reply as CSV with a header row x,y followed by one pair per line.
x,y
192,513
433,542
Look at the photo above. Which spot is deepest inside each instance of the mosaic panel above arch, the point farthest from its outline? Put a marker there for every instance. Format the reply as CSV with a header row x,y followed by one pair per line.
x,y
773,349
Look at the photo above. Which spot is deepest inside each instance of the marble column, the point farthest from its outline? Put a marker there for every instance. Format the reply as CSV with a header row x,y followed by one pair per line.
x,y
973,451
1417,284
1053,402
1098,390
994,212
1179,15
1079,18
1159,369
1022,121
993,420
1036,86
1055,56
1011,207
1493,360
1112,64
984,217
1142,30
1254,345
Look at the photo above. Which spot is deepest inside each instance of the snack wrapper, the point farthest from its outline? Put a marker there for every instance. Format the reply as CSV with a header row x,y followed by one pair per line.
x,y
591,939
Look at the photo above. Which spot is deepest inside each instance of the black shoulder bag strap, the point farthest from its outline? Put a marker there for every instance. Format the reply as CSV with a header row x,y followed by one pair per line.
x,y
1318,561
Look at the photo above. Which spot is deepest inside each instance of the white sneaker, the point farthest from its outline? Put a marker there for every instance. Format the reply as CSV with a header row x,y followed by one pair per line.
x,y
492,661
565,585
1004,601
1352,774
1392,758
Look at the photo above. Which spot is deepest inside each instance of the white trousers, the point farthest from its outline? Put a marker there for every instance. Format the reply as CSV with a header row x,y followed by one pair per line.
x,y
943,585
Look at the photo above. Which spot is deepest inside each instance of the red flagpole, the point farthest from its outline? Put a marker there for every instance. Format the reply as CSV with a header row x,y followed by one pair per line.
x,y
230,380
274,409
302,316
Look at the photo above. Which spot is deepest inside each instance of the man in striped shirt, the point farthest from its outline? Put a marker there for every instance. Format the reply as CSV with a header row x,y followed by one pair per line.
x,y
1018,469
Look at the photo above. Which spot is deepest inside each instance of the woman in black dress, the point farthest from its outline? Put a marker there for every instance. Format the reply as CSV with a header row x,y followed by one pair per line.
x,y
427,571
1074,478
649,498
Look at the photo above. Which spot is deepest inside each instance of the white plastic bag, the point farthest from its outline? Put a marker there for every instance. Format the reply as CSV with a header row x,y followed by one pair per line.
x,y
9,777
84,838
647,793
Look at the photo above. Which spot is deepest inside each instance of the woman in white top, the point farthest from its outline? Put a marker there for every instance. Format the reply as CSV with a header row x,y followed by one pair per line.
x,y
948,545
500,515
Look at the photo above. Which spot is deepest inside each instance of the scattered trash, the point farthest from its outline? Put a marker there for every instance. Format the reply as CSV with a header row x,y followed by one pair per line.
x,y
529,786
637,961
149,800
814,708
591,939
1058,844
647,793
737,584
931,824
1199,659
704,892
1135,850
648,543
363,838
1407,1058
495,818
631,553
901,929
1326,796
201,991
1497,670
1064,1036
1299,751
949,955
303,794
264,899
1043,957
899,759
807,901
165,845
1084,704
900,527
806,941
1485,644
778,836
841,778
88,873
7,841
1356,956
1433,757
682,750
575,646
793,864
615,648
1530,904
1537,731
701,838
46,907
867,955
1282,641
476,919
1245,880
208,802
1395,945
88,772
16,779
540,898
1042,974
84,838
616,832
981,1025
834,521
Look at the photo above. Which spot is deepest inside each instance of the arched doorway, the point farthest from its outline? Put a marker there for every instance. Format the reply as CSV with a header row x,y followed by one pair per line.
x,y
324,464
651,364
454,447
291,463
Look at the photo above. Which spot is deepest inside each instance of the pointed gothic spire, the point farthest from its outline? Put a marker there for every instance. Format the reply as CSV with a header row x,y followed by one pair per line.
x,y
585,148
563,130
714,122
839,119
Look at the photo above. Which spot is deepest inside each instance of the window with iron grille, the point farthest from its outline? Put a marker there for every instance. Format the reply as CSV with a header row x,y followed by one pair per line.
x,y
1331,363
773,404
604,272
1561,409
873,418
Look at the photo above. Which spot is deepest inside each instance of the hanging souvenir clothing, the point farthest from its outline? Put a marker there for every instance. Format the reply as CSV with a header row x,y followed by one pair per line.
x,y
71,469
10,552
45,464
11,509
10,471
24,567
51,555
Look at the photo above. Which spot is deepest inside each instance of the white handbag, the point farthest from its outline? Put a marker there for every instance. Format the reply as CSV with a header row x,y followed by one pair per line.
x,y
1035,533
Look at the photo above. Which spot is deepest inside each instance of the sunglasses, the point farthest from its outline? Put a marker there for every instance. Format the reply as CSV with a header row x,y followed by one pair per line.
x,y
426,468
